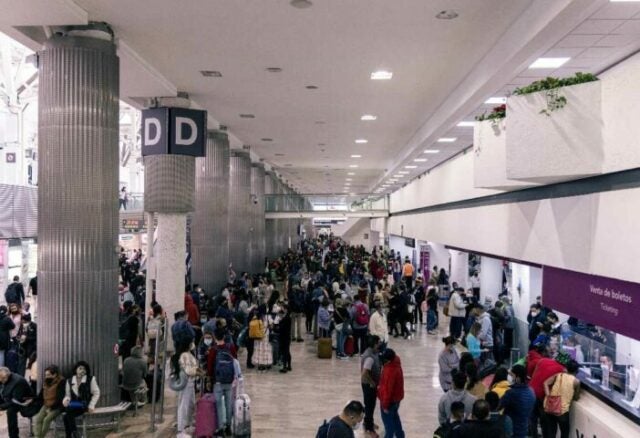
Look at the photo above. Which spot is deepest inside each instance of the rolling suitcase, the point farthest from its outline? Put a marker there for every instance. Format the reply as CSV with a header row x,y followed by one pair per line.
x,y
206,421
324,348
349,347
241,424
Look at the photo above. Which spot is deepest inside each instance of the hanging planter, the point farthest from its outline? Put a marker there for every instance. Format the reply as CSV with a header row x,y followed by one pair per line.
x,y
489,160
555,133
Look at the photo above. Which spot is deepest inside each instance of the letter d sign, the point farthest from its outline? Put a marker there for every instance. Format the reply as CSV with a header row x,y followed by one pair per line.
x,y
174,131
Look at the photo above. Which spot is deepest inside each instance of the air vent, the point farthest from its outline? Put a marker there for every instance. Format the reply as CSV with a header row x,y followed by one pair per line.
x,y
247,116
211,73
311,87
274,69
266,139
279,155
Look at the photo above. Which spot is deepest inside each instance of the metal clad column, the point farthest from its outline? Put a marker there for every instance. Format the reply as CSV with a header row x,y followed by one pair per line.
x,y
78,206
270,233
239,211
257,207
209,228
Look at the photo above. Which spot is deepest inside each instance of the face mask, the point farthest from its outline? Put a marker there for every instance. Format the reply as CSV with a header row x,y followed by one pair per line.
x,y
25,325
358,425
510,379
81,372
48,380
203,320
534,314
208,342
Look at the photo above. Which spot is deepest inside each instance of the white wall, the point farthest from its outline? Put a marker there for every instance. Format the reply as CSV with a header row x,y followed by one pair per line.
x,y
439,256
397,243
459,268
490,278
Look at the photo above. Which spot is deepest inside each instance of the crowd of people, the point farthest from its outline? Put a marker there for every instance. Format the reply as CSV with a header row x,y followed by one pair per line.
x,y
348,300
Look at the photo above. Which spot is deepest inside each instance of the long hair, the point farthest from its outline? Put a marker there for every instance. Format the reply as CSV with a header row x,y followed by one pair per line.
x,y
175,359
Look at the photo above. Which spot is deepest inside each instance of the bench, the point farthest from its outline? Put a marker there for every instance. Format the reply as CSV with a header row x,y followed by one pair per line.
x,y
113,414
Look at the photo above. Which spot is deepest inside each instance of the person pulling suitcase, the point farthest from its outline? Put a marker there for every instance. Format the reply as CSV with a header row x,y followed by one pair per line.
x,y
222,372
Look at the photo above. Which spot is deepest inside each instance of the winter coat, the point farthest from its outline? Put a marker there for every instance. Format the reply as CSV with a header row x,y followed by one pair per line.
x,y
391,386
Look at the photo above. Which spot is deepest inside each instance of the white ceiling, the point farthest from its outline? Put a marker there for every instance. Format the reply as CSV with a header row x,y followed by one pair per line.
x,y
335,45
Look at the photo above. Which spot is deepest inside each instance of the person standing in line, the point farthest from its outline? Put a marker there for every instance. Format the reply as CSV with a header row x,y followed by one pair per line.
x,y
15,292
448,360
475,285
457,310
456,393
407,273
567,386
480,424
285,338
6,326
370,370
122,199
296,303
519,402
360,319
184,361
486,331
391,393
378,325
222,372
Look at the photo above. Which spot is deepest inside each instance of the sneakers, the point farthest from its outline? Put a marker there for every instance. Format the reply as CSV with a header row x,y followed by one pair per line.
x,y
283,370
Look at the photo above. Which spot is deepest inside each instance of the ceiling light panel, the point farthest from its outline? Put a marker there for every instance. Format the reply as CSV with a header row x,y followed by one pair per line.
x,y
447,140
420,160
362,141
410,167
549,62
353,166
381,75
496,100
466,124
356,156
368,117
431,151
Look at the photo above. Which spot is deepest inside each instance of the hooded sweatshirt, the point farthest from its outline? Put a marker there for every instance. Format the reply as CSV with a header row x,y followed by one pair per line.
x,y
391,387
454,395
134,369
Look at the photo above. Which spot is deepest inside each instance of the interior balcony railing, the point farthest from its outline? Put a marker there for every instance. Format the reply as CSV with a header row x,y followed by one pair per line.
x,y
325,205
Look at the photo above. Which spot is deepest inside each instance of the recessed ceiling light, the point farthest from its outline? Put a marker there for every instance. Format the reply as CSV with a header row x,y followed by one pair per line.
x,y
266,139
465,124
311,87
496,100
362,141
549,62
448,14
351,173
279,155
321,144
320,122
288,165
431,151
353,166
447,140
211,73
301,4
348,179
356,156
381,75
410,167
274,69
404,172
247,116
420,160
398,176
368,117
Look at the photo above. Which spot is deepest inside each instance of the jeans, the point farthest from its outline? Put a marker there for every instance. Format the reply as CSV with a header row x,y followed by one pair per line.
x,y
1,358
369,396
341,337
392,423
186,405
553,422
42,421
69,420
432,320
224,409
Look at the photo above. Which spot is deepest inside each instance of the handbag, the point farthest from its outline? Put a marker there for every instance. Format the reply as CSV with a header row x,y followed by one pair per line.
x,y
553,402
178,382
77,404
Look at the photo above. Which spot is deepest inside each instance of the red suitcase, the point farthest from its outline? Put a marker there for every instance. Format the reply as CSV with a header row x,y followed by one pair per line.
x,y
206,421
349,347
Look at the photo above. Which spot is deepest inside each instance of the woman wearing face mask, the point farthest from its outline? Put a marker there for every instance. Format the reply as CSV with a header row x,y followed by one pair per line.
x,y
448,360
81,395
184,361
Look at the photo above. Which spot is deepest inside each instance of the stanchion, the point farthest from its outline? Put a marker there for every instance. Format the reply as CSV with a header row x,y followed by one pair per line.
x,y
156,359
164,367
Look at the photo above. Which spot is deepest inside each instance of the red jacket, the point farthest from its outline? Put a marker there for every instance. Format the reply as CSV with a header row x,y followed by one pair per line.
x,y
193,314
391,386
533,357
546,368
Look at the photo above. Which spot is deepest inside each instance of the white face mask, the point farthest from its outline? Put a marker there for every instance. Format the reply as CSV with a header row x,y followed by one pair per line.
x,y
358,425
208,342
510,379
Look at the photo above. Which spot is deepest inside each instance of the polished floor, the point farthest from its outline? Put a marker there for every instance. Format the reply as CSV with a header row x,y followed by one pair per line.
x,y
296,403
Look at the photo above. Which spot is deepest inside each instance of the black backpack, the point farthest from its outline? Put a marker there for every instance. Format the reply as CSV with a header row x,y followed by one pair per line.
x,y
323,430
11,295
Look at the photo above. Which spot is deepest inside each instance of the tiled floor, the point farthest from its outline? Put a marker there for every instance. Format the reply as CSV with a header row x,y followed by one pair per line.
x,y
295,404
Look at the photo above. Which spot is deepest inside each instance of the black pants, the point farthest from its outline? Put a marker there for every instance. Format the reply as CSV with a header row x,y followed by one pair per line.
x,y
455,326
285,352
476,293
308,320
369,396
249,344
553,422
418,316
360,340
12,421
69,420
409,282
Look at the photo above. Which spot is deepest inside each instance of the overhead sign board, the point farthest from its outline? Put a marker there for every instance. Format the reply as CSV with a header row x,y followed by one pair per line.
x,y
174,131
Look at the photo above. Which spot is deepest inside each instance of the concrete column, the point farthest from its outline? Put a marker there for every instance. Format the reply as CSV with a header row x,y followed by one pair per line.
x,y
459,268
78,204
209,227
257,214
490,278
271,225
169,182
151,266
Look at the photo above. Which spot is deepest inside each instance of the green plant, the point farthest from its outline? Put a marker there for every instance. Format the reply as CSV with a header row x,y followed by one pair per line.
x,y
496,114
551,87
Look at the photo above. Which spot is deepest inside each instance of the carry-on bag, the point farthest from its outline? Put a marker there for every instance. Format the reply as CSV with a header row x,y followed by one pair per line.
x,y
206,421
324,348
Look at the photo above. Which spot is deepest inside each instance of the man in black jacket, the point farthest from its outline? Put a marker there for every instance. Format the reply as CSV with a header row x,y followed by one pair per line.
x,y
15,394
28,335
15,292
6,325
285,338
480,425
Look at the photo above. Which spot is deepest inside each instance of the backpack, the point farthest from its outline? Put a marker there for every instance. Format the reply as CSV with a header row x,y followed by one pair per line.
x,y
225,369
323,430
256,329
362,316
153,328
11,295
443,432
